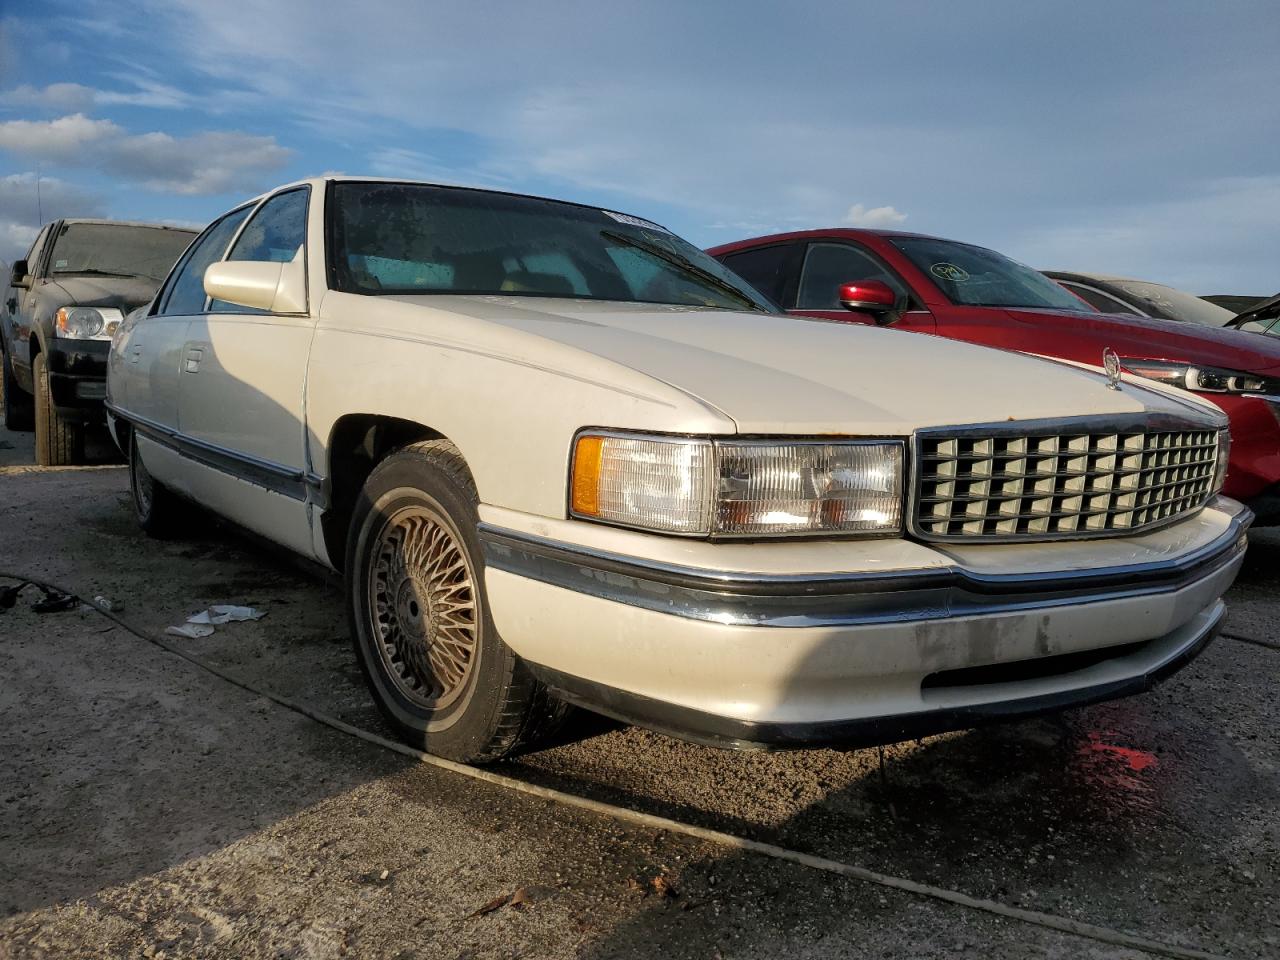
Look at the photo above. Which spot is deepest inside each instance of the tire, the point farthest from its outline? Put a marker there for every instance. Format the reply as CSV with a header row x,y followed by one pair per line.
x,y
420,617
19,406
160,512
59,442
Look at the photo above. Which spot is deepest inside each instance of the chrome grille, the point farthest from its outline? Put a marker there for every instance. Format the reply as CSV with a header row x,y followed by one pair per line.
x,y
1041,486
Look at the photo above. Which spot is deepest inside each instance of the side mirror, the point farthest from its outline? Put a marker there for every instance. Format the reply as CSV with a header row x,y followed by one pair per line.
x,y
868,296
260,284
18,278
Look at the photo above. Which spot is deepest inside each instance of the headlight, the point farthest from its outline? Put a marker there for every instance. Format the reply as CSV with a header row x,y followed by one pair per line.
x,y
738,488
1224,455
1202,379
87,323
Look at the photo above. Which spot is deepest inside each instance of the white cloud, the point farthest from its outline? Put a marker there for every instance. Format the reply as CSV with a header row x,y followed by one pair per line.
x,y
64,139
56,96
415,165
79,98
876,217
203,163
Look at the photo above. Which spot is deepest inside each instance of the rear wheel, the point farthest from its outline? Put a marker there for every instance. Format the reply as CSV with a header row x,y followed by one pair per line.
x,y
19,408
160,512
59,442
420,618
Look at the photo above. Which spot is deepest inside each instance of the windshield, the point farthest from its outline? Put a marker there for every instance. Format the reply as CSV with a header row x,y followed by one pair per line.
x,y
390,238
1162,301
1265,319
975,276
116,250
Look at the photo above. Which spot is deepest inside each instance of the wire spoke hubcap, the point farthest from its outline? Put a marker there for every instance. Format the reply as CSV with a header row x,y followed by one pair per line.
x,y
423,606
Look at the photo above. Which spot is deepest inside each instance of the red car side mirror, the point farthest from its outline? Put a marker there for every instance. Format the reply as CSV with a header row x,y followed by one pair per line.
x,y
869,296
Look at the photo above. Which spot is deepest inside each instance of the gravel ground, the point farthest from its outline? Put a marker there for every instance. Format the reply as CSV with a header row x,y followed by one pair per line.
x,y
148,808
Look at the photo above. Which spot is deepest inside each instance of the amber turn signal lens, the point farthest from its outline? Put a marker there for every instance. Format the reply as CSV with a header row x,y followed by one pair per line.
x,y
588,455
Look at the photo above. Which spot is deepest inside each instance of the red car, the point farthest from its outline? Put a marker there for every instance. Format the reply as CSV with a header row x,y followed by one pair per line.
x,y
928,285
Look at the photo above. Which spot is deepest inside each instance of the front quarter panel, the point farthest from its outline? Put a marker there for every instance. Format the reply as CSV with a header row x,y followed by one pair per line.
x,y
510,401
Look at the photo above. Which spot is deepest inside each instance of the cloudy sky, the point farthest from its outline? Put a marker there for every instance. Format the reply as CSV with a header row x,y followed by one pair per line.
x,y
1133,138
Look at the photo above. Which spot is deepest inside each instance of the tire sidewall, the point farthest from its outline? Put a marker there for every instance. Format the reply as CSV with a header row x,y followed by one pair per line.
x,y
146,516
466,726
43,411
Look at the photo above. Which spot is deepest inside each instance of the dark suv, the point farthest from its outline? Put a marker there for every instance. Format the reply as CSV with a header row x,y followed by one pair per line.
x,y
61,307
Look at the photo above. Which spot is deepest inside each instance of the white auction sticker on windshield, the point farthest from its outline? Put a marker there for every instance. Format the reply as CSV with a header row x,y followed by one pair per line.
x,y
634,221
949,271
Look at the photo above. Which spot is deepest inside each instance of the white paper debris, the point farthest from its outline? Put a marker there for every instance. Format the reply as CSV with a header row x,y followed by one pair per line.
x,y
226,613
192,631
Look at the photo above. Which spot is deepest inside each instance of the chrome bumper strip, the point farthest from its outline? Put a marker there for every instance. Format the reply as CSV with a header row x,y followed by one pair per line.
x,y
276,477
844,599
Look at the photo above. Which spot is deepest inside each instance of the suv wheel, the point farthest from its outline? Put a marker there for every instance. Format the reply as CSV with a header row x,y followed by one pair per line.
x,y
59,442
19,409
420,617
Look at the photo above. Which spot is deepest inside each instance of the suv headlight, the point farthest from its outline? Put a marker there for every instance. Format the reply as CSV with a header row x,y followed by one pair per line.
x,y
87,323
738,488
1190,377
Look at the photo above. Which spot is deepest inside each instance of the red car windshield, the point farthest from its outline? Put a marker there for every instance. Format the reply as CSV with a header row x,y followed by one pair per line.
x,y
977,277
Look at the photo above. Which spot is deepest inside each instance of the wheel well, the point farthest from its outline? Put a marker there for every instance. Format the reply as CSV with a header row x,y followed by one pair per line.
x,y
357,443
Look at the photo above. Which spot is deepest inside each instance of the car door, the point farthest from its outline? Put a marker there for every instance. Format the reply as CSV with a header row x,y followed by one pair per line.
x,y
146,360
20,304
829,264
242,379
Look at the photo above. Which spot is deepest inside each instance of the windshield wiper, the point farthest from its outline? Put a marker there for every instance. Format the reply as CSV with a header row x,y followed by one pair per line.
x,y
706,276
89,271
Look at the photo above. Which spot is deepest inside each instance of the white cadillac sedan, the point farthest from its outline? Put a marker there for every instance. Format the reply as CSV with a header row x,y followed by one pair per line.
x,y
562,456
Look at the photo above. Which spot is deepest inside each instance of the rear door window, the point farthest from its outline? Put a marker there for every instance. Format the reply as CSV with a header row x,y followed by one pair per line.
x,y
771,270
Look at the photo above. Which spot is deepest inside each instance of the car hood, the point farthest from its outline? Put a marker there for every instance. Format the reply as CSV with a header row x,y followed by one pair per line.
x,y
1152,339
122,292
778,374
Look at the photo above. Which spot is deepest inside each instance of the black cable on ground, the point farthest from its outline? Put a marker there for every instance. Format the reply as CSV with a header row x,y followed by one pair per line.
x,y
1265,644
1048,921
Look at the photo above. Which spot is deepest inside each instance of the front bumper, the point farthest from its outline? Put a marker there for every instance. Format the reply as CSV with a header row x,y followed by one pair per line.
x,y
854,659
1254,474
78,377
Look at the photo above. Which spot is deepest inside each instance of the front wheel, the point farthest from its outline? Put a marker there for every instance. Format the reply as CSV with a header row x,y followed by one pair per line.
x,y
420,618
59,441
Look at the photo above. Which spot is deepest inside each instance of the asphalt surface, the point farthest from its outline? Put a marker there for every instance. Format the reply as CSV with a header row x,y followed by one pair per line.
x,y
149,808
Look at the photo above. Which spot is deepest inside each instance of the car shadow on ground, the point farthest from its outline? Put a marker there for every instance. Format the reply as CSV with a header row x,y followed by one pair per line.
x,y
1110,815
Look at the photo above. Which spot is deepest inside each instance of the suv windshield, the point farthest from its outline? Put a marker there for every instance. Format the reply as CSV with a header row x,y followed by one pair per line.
x,y
117,250
399,238
1162,301
975,276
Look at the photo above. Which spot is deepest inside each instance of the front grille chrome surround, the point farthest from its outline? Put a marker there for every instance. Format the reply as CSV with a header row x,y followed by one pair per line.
x,y
1060,480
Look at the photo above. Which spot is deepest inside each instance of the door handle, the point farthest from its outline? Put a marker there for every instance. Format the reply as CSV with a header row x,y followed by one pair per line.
x,y
136,355
194,355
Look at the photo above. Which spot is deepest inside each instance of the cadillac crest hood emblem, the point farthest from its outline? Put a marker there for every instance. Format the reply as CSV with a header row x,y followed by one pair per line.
x,y
1111,364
